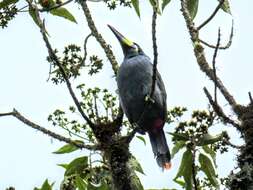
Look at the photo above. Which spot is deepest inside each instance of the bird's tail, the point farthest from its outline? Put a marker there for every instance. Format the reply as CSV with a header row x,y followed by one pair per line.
x,y
160,148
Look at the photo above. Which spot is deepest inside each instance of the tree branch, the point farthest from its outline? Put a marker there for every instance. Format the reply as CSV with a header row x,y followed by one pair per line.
x,y
211,16
85,49
214,67
55,59
155,52
98,36
54,135
201,59
218,110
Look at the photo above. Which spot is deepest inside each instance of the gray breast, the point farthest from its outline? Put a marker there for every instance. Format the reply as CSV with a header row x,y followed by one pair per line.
x,y
134,83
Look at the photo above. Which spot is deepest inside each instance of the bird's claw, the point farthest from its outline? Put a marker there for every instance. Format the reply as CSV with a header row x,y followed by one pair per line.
x,y
138,129
149,99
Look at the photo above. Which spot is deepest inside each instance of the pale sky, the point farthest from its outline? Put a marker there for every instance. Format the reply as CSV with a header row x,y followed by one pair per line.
x,y
26,159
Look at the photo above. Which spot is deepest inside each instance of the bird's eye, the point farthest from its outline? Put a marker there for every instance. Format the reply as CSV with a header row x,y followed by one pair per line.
x,y
135,47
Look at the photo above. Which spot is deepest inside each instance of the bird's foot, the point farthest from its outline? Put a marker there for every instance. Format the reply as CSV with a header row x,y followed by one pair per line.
x,y
138,129
149,99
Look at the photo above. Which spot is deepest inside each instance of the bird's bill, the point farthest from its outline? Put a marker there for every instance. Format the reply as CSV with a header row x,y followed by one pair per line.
x,y
123,40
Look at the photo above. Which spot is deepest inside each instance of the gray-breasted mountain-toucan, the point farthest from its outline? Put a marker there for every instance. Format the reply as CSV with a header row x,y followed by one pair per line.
x,y
134,80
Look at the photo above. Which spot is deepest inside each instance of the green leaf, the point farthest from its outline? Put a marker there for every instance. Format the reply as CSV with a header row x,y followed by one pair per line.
x,y
67,148
192,6
62,12
211,152
210,139
135,4
77,166
80,183
180,136
65,166
33,15
179,145
206,166
45,186
156,5
185,169
136,165
165,3
136,182
153,2
6,3
226,7
179,182
141,138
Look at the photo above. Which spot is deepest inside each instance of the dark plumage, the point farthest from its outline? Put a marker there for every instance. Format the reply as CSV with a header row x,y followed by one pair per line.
x,y
134,80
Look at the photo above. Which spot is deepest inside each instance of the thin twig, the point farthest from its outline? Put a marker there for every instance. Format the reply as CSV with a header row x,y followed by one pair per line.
x,y
98,37
85,49
211,16
232,145
155,52
250,98
50,71
55,59
96,108
214,67
229,43
218,110
54,135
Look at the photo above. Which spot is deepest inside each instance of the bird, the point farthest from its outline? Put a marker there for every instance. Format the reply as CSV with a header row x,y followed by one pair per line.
x,y
134,82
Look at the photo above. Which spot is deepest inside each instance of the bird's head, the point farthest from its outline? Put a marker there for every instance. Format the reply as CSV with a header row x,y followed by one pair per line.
x,y
129,48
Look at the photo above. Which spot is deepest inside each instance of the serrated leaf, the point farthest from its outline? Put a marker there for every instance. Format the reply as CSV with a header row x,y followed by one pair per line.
x,y
135,4
192,6
33,15
180,136
165,3
226,7
67,148
210,139
5,3
136,165
77,166
206,166
185,170
179,145
80,183
63,12
142,139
